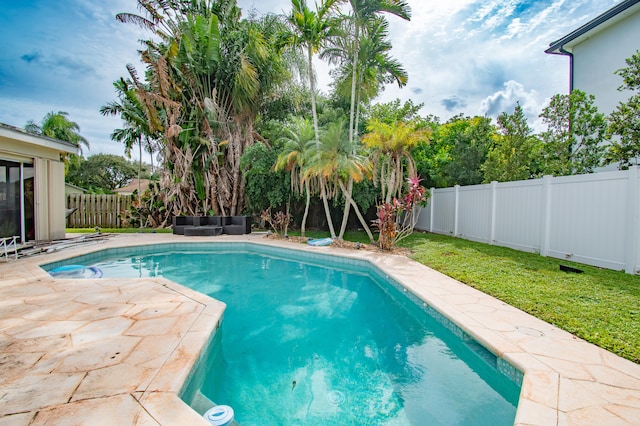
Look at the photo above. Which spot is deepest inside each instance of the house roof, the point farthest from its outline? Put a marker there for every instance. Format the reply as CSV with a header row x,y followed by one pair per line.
x,y
599,23
133,186
75,186
15,133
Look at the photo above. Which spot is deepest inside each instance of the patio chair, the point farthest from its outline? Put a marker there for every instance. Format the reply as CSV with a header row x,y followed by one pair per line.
x,y
7,245
211,221
180,222
236,225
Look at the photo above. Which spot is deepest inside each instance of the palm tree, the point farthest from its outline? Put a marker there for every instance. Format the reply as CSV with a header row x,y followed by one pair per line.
x,y
365,11
57,125
137,125
132,111
292,158
390,146
311,30
334,160
376,68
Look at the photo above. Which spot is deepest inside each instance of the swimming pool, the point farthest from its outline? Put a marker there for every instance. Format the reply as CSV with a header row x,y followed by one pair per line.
x,y
324,340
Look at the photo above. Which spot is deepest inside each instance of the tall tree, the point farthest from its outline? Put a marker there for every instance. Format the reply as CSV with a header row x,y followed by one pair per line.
x,y
292,158
334,160
625,119
102,173
391,146
394,112
208,73
515,152
468,139
376,67
574,136
311,30
363,12
138,129
57,125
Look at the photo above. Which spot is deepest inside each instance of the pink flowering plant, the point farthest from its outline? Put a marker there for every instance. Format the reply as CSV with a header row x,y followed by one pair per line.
x,y
278,221
396,220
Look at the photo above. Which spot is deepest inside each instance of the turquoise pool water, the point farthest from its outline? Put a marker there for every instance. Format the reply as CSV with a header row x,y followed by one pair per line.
x,y
309,339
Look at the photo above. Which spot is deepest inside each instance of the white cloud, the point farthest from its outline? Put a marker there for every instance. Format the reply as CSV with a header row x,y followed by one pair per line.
x,y
514,93
501,13
514,29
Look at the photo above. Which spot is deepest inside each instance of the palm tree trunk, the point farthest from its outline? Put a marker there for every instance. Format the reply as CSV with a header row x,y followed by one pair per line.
x,y
236,145
390,182
312,88
323,194
357,210
357,117
354,79
139,174
399,178
306,208
347,207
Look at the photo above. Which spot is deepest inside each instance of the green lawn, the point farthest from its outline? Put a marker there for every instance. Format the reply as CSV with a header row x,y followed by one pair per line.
x,y
599,305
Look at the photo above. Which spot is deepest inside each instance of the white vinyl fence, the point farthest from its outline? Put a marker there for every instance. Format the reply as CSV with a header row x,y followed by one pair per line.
x,y
591,219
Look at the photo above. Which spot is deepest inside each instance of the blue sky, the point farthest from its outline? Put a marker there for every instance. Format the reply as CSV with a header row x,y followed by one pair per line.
x,y
462,56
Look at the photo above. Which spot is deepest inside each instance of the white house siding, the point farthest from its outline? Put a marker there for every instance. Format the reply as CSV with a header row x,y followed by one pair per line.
x,y
598,57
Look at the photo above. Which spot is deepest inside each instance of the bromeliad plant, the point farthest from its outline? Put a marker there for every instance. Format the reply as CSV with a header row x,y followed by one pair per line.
x,y
396,219
278,221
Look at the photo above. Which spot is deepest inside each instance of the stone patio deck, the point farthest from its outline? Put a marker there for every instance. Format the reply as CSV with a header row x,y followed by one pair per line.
x,y
117,351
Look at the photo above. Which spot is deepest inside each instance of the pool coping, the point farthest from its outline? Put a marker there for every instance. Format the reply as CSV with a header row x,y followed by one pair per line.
x,y
566,380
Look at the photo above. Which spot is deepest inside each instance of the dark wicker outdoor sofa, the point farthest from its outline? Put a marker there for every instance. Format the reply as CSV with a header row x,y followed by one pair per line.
x,y
211,225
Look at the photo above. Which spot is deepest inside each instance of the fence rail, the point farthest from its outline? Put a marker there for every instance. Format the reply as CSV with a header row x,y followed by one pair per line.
x,y
103,210
592,219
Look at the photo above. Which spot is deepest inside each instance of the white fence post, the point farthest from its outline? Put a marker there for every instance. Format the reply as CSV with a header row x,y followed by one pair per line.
x,y
632,221
492,226
456,209
545,215
433,198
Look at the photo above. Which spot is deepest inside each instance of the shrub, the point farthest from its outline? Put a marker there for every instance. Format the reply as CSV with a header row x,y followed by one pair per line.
x,y
396,220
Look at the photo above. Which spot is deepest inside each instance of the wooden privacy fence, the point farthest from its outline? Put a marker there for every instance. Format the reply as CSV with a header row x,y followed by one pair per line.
x,y
592,219
103,210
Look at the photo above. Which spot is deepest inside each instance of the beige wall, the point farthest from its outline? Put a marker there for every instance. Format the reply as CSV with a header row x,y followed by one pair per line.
x,y
41,170
56,200
49,193
20,150
49,199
